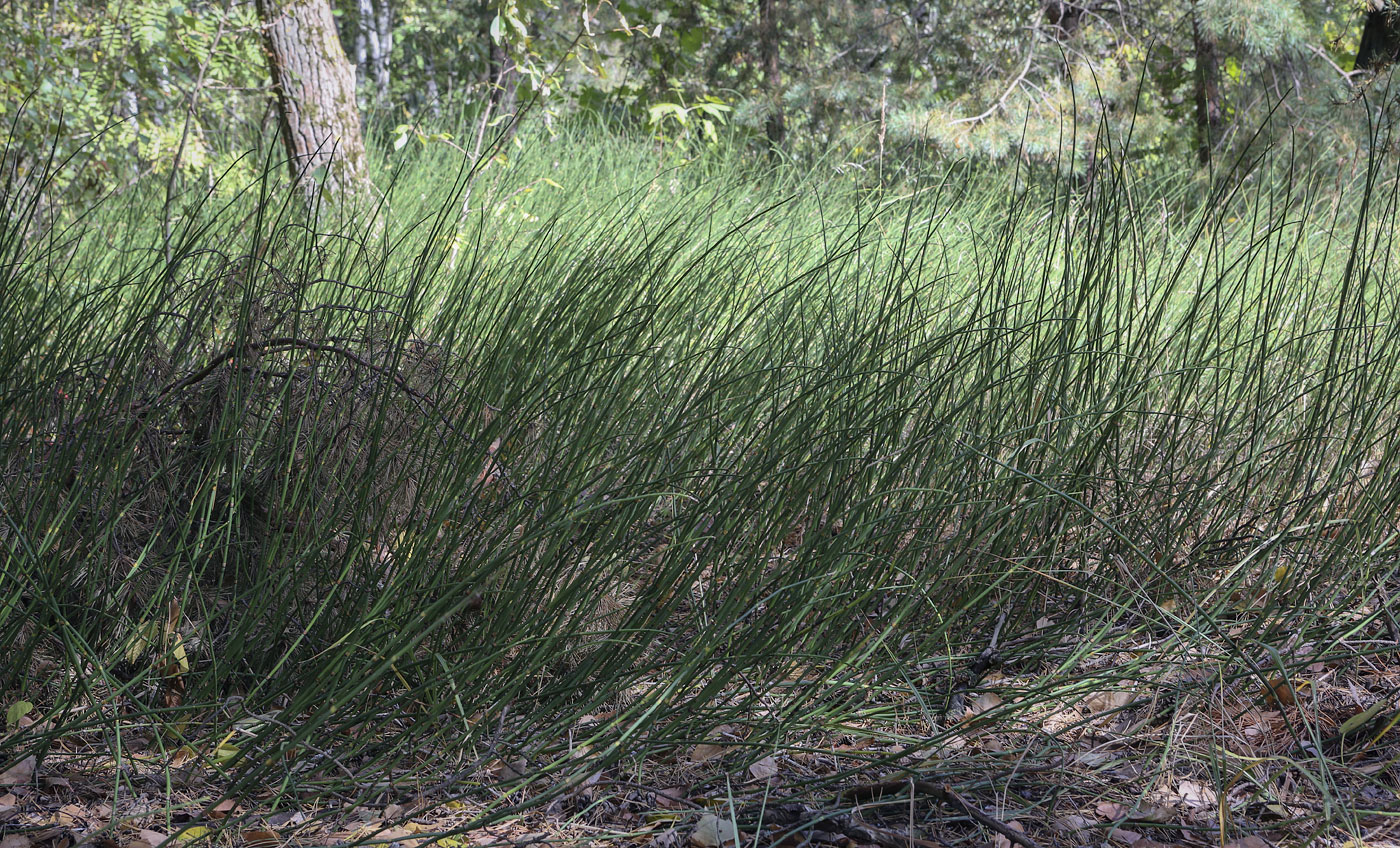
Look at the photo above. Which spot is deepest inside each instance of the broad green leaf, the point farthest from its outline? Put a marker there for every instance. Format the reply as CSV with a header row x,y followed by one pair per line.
x,y
17,711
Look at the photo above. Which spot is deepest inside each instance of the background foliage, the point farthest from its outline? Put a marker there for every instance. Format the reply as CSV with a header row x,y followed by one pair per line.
x,y
152,85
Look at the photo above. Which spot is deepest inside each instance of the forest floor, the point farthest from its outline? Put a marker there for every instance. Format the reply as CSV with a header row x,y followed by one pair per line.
x,y
1176,754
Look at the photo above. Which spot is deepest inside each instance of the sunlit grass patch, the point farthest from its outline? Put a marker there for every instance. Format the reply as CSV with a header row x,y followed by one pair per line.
x,y
483,506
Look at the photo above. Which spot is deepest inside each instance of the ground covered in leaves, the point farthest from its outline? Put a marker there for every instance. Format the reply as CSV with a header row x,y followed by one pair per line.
x,y
1178,751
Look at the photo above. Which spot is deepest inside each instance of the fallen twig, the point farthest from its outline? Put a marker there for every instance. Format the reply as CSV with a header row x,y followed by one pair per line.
x,y
944,793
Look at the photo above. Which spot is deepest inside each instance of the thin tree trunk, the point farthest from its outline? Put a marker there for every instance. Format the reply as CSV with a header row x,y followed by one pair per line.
x,y
1380,40
772,77
431,88
504,80
315,87
384,24
366,45
1208,110
1063,17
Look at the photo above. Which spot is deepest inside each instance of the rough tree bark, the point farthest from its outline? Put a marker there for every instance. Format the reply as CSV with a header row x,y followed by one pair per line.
x,y
1208,110
776,126
315,87
1380,39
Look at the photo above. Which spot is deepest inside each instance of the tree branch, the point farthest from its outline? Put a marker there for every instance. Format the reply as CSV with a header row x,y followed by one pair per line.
x,y
1001,101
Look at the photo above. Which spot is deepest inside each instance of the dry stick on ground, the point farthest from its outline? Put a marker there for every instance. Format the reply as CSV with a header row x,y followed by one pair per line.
x,y
660,793
793,815
1390,624
979,666
942,792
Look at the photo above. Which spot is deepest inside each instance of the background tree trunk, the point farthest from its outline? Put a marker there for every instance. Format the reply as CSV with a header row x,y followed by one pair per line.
x,y
1063,17
502,80
1208,110
384,24
1380,40
772,78
315,86
366,47
431,91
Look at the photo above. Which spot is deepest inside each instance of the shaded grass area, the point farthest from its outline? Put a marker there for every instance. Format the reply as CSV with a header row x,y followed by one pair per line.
x,y
983,480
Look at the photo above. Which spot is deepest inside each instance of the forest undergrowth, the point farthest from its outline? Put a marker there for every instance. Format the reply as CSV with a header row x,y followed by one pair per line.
x,y
666,501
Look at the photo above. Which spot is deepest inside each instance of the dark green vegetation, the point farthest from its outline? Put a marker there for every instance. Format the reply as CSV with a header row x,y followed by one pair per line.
x,y
356,505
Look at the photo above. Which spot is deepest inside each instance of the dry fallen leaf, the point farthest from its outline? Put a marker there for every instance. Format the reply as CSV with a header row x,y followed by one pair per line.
x,y
289,819
669,839
70,815
764,769
1095,759
181,756
1001,841
222,809
706,751
1154,813
1196,795
713,832
1280,692
152,837
15,840
259,838
712,748
20,772
1110,810
984,702
515,770
1102,702
1072,824
1250,841
671,798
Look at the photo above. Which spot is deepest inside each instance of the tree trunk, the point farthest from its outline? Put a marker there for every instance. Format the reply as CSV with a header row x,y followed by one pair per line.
x,y
503,79
772,78
1063,17
384,24
315,86
1380,40
1208,110
431,88
366,47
